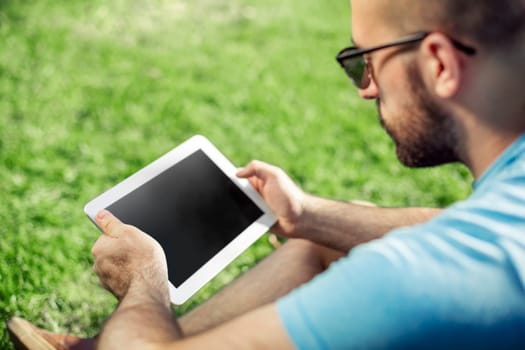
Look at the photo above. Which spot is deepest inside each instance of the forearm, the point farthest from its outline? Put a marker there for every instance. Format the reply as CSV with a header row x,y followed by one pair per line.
x,y
147,327
342,225
139,322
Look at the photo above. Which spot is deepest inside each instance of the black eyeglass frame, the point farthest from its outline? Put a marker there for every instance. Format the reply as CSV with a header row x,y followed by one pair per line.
x,y
352,52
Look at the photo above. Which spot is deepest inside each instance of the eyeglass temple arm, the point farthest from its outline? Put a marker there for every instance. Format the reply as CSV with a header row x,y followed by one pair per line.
x,y
466,49
418,36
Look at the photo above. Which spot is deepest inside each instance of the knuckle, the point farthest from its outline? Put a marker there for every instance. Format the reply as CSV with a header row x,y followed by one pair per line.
x,y
95,249
106,226
128,229
280,173
255,164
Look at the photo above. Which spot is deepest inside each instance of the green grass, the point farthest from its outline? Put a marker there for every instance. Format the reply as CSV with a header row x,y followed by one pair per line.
x,y
92,90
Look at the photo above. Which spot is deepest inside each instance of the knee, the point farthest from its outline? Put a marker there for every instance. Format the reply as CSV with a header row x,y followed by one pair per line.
x,y
308,252
303,252
300,247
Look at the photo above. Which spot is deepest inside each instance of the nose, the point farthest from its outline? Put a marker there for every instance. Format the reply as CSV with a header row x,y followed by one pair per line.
x,y
371,91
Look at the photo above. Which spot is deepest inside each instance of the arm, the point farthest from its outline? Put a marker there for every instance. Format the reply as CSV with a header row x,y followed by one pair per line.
x,y
133,267
137,324
341,225
334,224
258,329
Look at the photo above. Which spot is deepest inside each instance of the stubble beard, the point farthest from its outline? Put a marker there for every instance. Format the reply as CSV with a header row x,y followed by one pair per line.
x,y
425,136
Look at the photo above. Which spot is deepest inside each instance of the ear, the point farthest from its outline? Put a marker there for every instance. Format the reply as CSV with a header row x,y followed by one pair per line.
x,y
442,65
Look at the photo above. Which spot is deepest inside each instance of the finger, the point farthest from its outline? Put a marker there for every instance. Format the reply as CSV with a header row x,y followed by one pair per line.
x,y
98,272
95,268
256,183
99,245
243,172
257,168
109,223
249,170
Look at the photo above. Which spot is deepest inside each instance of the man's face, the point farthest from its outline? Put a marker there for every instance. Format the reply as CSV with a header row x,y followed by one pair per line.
x,y
422,131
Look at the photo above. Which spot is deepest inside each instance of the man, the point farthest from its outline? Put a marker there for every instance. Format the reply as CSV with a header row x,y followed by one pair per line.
x,y
446,76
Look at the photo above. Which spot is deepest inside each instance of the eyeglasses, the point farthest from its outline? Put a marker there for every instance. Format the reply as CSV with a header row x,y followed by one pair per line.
x,y
358,67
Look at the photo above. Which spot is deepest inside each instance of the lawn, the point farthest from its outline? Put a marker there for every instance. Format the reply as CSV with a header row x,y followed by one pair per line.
x,y
92,90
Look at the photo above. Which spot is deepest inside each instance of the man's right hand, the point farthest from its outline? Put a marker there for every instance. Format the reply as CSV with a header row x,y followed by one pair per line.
x,y
282,195
125,258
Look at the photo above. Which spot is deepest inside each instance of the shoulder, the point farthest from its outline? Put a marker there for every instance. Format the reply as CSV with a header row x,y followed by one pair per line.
x,y
434,281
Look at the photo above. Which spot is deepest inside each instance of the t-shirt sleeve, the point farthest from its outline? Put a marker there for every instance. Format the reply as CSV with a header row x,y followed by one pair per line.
x,y
358,303
412,289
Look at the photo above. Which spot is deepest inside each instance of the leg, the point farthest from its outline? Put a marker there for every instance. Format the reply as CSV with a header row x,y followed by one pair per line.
x,y
293,264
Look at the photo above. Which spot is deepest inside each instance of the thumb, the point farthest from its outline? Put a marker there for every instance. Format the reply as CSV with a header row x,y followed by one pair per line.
x,y
109,223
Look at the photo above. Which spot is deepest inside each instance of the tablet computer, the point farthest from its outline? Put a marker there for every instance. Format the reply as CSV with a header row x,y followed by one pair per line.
x,y
192,203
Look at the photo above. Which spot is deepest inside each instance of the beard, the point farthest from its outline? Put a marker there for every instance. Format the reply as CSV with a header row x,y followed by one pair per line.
x,y
426,136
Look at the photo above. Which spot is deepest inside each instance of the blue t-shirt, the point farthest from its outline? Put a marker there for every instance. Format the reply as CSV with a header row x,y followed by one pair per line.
x,y
457,281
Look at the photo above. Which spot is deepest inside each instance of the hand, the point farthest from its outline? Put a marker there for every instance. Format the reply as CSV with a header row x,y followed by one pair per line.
x,y
127,258
282,195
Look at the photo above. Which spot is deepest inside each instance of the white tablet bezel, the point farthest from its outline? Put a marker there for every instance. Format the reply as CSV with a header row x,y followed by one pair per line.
x,y
218,262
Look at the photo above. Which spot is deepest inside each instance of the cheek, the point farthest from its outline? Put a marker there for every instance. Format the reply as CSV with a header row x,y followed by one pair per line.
x,y
398,115
390,106
396,104
395,97
387,90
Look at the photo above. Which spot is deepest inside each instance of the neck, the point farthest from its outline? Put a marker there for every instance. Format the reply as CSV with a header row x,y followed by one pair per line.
x,y
486,126
483,146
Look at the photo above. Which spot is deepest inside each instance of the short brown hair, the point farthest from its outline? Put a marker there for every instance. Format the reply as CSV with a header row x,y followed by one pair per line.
x,y
487,22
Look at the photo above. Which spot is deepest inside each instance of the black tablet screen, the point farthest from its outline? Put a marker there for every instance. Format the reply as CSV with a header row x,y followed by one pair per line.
x,y
192,209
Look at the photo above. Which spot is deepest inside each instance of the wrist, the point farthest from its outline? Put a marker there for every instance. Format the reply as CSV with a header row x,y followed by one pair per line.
x,y
147,292
299,226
